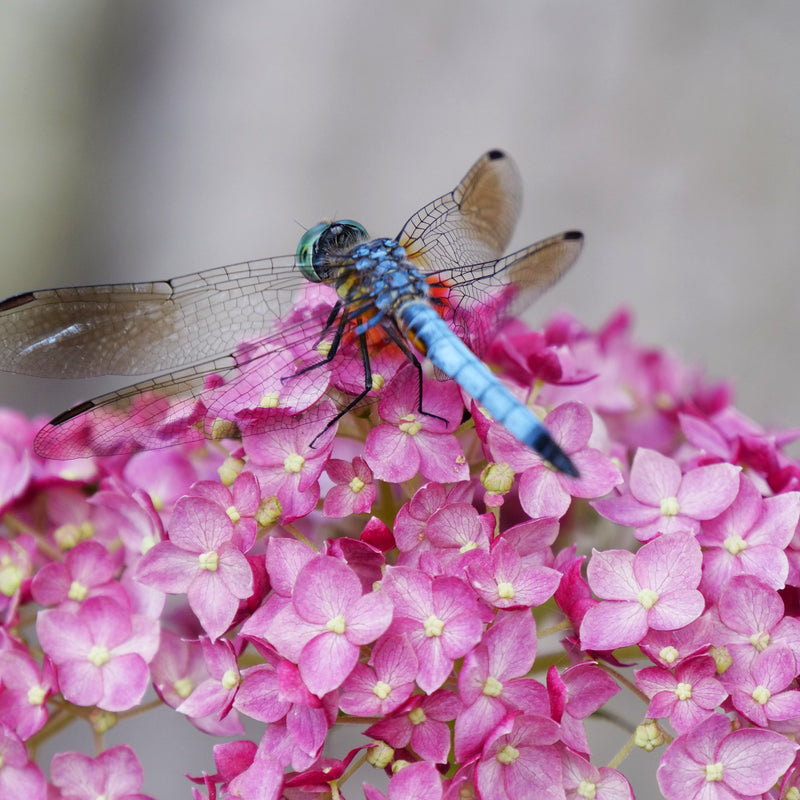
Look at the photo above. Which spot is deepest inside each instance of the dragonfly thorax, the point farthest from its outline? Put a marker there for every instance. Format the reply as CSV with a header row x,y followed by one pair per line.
x,y
379,274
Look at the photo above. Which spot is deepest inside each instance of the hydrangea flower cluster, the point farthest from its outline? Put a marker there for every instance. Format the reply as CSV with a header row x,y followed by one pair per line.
x,y
430,580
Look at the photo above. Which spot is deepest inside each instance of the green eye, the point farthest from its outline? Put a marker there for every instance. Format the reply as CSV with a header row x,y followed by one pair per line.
x,y
305,251
321,245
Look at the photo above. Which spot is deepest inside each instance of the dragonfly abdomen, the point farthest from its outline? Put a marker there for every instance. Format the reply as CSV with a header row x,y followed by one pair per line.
x,y
423,326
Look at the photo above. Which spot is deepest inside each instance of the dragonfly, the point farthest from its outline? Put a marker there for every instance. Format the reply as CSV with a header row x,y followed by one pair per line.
x,y
260,334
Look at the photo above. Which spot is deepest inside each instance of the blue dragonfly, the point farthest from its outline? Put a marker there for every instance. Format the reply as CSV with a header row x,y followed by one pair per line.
x,y
441,288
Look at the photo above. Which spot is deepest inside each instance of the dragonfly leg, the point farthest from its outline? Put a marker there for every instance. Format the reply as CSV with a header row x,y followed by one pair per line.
x,y
362,346
344,319
399,340
332,350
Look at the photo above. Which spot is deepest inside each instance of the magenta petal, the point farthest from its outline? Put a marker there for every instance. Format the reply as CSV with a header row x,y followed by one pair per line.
x,y
167,568
214,605
326,661
570,425
541,493
391,454
611,575
654,477
325,588
627,510
613,624
81,682
669,563
125,680
707,491
755,759
599,475
368,618
674,611
419,780
441,458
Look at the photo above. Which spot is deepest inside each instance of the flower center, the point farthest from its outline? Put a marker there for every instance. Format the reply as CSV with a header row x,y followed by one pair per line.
x,y
409,425
417,716
760,640
734,544
36,695
98,655
714,771
587,789
492,687
183,687
77,591
761,694
505,590
381,690
230,678
683,691
294,462
337,624
433,626
209,560
10,577
356,485
670,507
269,400
648,598
508,755
233,513
669,654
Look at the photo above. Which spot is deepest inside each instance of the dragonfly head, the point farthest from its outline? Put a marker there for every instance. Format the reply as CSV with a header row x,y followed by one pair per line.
x,y
322,244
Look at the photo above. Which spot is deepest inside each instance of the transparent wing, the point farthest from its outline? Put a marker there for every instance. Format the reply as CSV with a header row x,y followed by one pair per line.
x,y
479,296
470,225
140,328
208,400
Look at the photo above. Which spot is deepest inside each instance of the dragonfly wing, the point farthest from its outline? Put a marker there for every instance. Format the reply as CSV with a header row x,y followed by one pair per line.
x,y
140,328
203,401
483,295
470,225
149,415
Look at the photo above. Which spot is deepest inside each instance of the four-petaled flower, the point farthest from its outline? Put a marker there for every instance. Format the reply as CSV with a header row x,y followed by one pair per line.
x,y
655,588
664,500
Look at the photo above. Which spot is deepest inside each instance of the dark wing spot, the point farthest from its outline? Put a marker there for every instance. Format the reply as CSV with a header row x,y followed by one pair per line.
x,y
17,300
71,413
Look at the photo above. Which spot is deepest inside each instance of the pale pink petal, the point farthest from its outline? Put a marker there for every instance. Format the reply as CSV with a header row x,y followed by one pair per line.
x,y
613,624
654,477
707,491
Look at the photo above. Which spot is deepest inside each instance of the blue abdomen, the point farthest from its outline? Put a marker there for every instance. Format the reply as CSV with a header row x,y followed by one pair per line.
x,y
453,357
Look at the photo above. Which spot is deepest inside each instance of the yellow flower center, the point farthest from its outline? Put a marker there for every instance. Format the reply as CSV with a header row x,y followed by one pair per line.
x,y
336,625
670,507
381,690
508,755
683,691
98,655
433,626
209,560
77,591
587,789
294,463
409,425
648,598
734,545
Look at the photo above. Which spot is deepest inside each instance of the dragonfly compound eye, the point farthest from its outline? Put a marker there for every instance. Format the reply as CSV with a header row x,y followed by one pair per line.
x,y
326,241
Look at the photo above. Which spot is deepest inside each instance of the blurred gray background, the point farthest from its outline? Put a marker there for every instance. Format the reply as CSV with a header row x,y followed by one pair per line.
x,y
143,140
